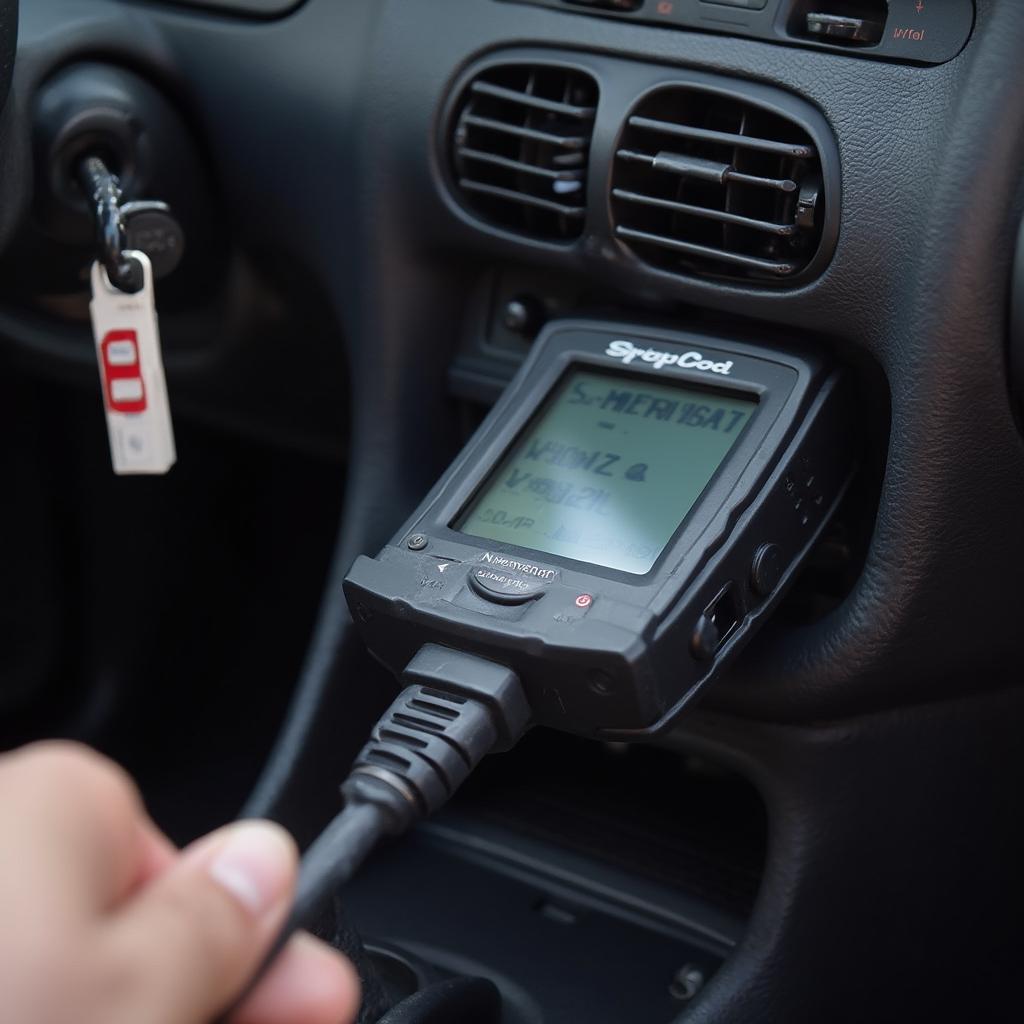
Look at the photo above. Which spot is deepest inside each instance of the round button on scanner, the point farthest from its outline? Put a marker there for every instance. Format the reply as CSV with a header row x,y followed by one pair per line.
x,y
705,639
766,569
506,586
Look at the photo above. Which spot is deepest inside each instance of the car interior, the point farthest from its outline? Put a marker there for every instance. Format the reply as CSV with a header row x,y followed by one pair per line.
x,y
654,365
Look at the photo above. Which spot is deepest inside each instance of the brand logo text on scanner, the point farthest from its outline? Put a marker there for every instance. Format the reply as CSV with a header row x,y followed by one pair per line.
x,y
524,567
626,351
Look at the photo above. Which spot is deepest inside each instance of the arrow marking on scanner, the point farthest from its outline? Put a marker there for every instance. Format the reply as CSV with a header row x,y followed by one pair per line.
x,y
443,566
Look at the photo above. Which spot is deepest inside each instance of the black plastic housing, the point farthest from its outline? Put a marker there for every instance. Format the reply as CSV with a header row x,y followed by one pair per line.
x,y
642,646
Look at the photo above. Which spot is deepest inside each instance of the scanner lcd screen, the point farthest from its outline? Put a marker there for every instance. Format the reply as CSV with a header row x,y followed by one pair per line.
x,y
608,469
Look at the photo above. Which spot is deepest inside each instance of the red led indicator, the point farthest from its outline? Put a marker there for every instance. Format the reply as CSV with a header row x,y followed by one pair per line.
x,y
584,601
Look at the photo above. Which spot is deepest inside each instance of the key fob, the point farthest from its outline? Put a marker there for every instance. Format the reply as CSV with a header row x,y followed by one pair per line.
x,y
150,227
127,337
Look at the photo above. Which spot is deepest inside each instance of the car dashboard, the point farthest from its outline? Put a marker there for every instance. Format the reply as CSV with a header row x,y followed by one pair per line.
x,y
385,204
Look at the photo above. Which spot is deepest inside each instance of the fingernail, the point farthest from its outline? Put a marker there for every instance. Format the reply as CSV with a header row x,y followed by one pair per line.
x,y
255,864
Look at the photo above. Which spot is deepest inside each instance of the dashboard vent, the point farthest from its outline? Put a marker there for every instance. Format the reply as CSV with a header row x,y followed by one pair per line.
x,y
520,148
713,184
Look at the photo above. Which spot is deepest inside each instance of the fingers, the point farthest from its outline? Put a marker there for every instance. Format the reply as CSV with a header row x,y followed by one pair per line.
x,y
107,922
157,853
192,938
76,837
309,983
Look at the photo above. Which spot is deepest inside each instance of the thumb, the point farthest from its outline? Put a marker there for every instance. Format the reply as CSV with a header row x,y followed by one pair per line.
x,y
192,938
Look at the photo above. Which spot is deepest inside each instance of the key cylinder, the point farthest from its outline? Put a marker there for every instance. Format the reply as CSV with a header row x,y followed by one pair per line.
x,y
94,109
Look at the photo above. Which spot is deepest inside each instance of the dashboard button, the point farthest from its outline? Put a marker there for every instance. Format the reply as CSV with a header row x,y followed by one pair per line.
x,y
841,29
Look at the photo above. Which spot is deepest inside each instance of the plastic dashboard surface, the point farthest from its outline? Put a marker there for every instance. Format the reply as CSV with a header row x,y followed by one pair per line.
x,y
915,293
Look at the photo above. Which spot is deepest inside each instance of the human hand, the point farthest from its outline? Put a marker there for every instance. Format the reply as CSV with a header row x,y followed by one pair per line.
x,y
105,922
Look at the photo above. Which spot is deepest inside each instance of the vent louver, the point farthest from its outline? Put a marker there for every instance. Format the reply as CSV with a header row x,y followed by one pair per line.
x,y
520,147
713,184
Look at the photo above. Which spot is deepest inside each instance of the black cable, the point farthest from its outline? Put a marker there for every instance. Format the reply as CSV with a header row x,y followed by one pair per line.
x,y
335,856
458,709
331,860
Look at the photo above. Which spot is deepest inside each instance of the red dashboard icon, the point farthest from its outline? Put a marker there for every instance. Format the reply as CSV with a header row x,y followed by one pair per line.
x,y
122,374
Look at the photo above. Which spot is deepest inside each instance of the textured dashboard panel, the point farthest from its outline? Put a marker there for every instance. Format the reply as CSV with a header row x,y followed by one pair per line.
x,y
897,290
917,283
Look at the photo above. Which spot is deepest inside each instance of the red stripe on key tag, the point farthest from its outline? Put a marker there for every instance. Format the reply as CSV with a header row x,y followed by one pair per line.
x,y
123,387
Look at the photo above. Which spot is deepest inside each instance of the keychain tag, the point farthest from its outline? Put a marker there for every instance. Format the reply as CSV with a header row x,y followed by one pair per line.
x,y
132,373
